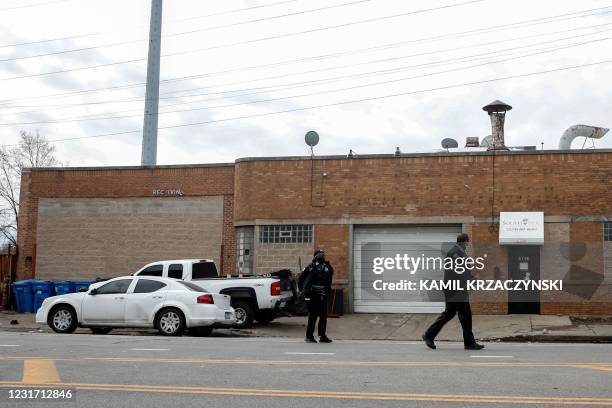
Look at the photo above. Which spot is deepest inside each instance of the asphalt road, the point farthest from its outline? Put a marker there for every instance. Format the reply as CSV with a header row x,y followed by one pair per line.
x,y
152,371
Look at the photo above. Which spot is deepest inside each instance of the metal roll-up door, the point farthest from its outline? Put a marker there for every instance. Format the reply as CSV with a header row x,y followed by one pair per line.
x,y
371,242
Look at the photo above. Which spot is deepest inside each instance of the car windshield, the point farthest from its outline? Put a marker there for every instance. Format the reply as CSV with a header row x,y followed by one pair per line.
x,y
191,286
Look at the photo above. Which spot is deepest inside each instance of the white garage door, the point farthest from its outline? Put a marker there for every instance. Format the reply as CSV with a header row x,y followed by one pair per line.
x,y
371,242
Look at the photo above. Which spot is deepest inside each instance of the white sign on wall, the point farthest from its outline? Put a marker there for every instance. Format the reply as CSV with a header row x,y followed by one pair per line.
x,y
168,193
521,228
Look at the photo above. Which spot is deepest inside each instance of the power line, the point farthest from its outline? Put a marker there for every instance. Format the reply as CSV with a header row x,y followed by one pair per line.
x,y
220,13
367,63
524,23
319,92
76,36
341,103
33,5
115,44
249,41
240,92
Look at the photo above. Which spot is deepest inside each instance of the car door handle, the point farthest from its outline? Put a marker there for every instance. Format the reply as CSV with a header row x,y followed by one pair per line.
x,y
119,298
157,297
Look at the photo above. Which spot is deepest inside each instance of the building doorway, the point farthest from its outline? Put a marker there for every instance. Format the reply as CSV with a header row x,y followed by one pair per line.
x,y
524,264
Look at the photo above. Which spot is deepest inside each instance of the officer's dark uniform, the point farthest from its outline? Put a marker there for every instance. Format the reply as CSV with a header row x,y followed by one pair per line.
x,y
457,303
315,283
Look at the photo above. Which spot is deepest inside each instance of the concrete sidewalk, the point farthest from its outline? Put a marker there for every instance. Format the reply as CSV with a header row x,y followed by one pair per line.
x,y
398,327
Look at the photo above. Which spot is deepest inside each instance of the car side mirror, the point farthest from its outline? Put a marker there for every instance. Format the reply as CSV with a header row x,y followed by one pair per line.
x,y
94,291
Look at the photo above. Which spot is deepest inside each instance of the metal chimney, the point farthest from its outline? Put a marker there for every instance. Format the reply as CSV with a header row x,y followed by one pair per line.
x,y
497,112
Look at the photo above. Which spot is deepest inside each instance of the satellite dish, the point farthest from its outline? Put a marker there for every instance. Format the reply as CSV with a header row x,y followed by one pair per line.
x,y
312,138
487,141
449,143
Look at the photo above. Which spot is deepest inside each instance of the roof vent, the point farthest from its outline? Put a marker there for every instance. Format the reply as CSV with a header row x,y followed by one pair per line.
x,y
591,132
497,112
472,141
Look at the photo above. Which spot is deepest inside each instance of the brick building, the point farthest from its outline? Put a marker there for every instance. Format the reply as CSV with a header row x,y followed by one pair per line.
x,y
262,214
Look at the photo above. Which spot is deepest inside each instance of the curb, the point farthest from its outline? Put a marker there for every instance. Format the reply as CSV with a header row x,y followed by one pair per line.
x,y
543,338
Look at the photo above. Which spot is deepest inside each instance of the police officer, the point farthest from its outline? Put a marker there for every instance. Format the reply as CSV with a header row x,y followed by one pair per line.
x,y
457,301
315,283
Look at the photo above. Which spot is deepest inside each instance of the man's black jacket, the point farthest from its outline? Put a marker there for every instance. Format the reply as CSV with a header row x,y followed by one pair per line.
x,y
312,275
458,255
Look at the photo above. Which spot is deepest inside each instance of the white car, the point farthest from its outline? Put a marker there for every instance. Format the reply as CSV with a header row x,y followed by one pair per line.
x,y
254,297
168,305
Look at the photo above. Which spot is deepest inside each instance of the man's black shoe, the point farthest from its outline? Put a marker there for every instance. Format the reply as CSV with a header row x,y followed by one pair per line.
x,y
325,339
474,346
310,340
429,342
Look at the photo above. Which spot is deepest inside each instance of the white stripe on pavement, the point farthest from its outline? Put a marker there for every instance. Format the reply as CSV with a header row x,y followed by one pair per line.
x,y
297,352
10,345
492,356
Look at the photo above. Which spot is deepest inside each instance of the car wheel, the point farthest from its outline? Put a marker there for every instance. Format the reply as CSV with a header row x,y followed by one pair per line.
x,y
101,330
201,331
170,322
244,315
265,317
62,319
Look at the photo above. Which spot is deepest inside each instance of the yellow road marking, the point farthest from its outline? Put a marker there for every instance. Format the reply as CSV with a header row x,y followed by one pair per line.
x,y
39,371
335,394
595,367
310,362
591,366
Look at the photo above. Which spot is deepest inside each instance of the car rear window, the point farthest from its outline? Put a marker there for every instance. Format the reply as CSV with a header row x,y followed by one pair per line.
x,y
148,286
191,286
203,270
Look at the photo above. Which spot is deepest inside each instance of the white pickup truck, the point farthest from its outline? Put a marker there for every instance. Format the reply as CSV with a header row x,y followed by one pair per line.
x,y
253,297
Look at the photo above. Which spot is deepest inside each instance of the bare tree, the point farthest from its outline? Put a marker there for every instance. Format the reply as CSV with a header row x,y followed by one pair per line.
x,y
33,150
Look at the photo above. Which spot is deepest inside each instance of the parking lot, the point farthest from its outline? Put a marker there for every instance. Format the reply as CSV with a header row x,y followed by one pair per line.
x,y
109,371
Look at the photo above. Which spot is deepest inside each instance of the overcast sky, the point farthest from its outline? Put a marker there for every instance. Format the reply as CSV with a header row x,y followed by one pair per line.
x,y
247,60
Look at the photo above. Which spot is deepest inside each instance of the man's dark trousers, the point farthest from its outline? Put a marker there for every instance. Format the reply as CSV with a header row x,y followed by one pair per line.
x,y
317,307
465,318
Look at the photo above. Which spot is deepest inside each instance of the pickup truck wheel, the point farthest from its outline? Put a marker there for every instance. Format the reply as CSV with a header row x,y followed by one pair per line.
x,y
244,315
62,319
201,331
265,317
101,330
170,322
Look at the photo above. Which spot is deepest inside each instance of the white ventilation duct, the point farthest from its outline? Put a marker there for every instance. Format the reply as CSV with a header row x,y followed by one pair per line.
x,y
575,131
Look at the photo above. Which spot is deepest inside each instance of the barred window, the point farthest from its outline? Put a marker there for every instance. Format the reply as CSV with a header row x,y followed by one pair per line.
x,y
607,231
282,234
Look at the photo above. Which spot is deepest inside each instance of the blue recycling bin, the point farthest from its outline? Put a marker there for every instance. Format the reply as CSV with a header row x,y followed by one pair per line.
x,y
24,297
63,287
80,285
42,289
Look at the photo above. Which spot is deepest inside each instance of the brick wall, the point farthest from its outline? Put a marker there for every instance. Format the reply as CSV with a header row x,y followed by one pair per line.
x,y
435,185
412,186
228,239
194,181
334,239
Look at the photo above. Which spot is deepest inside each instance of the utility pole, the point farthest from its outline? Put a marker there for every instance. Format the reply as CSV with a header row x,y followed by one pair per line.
x,y
149,137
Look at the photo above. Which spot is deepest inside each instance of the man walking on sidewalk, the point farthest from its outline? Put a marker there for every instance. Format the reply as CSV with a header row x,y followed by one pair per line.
x,y
457,301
